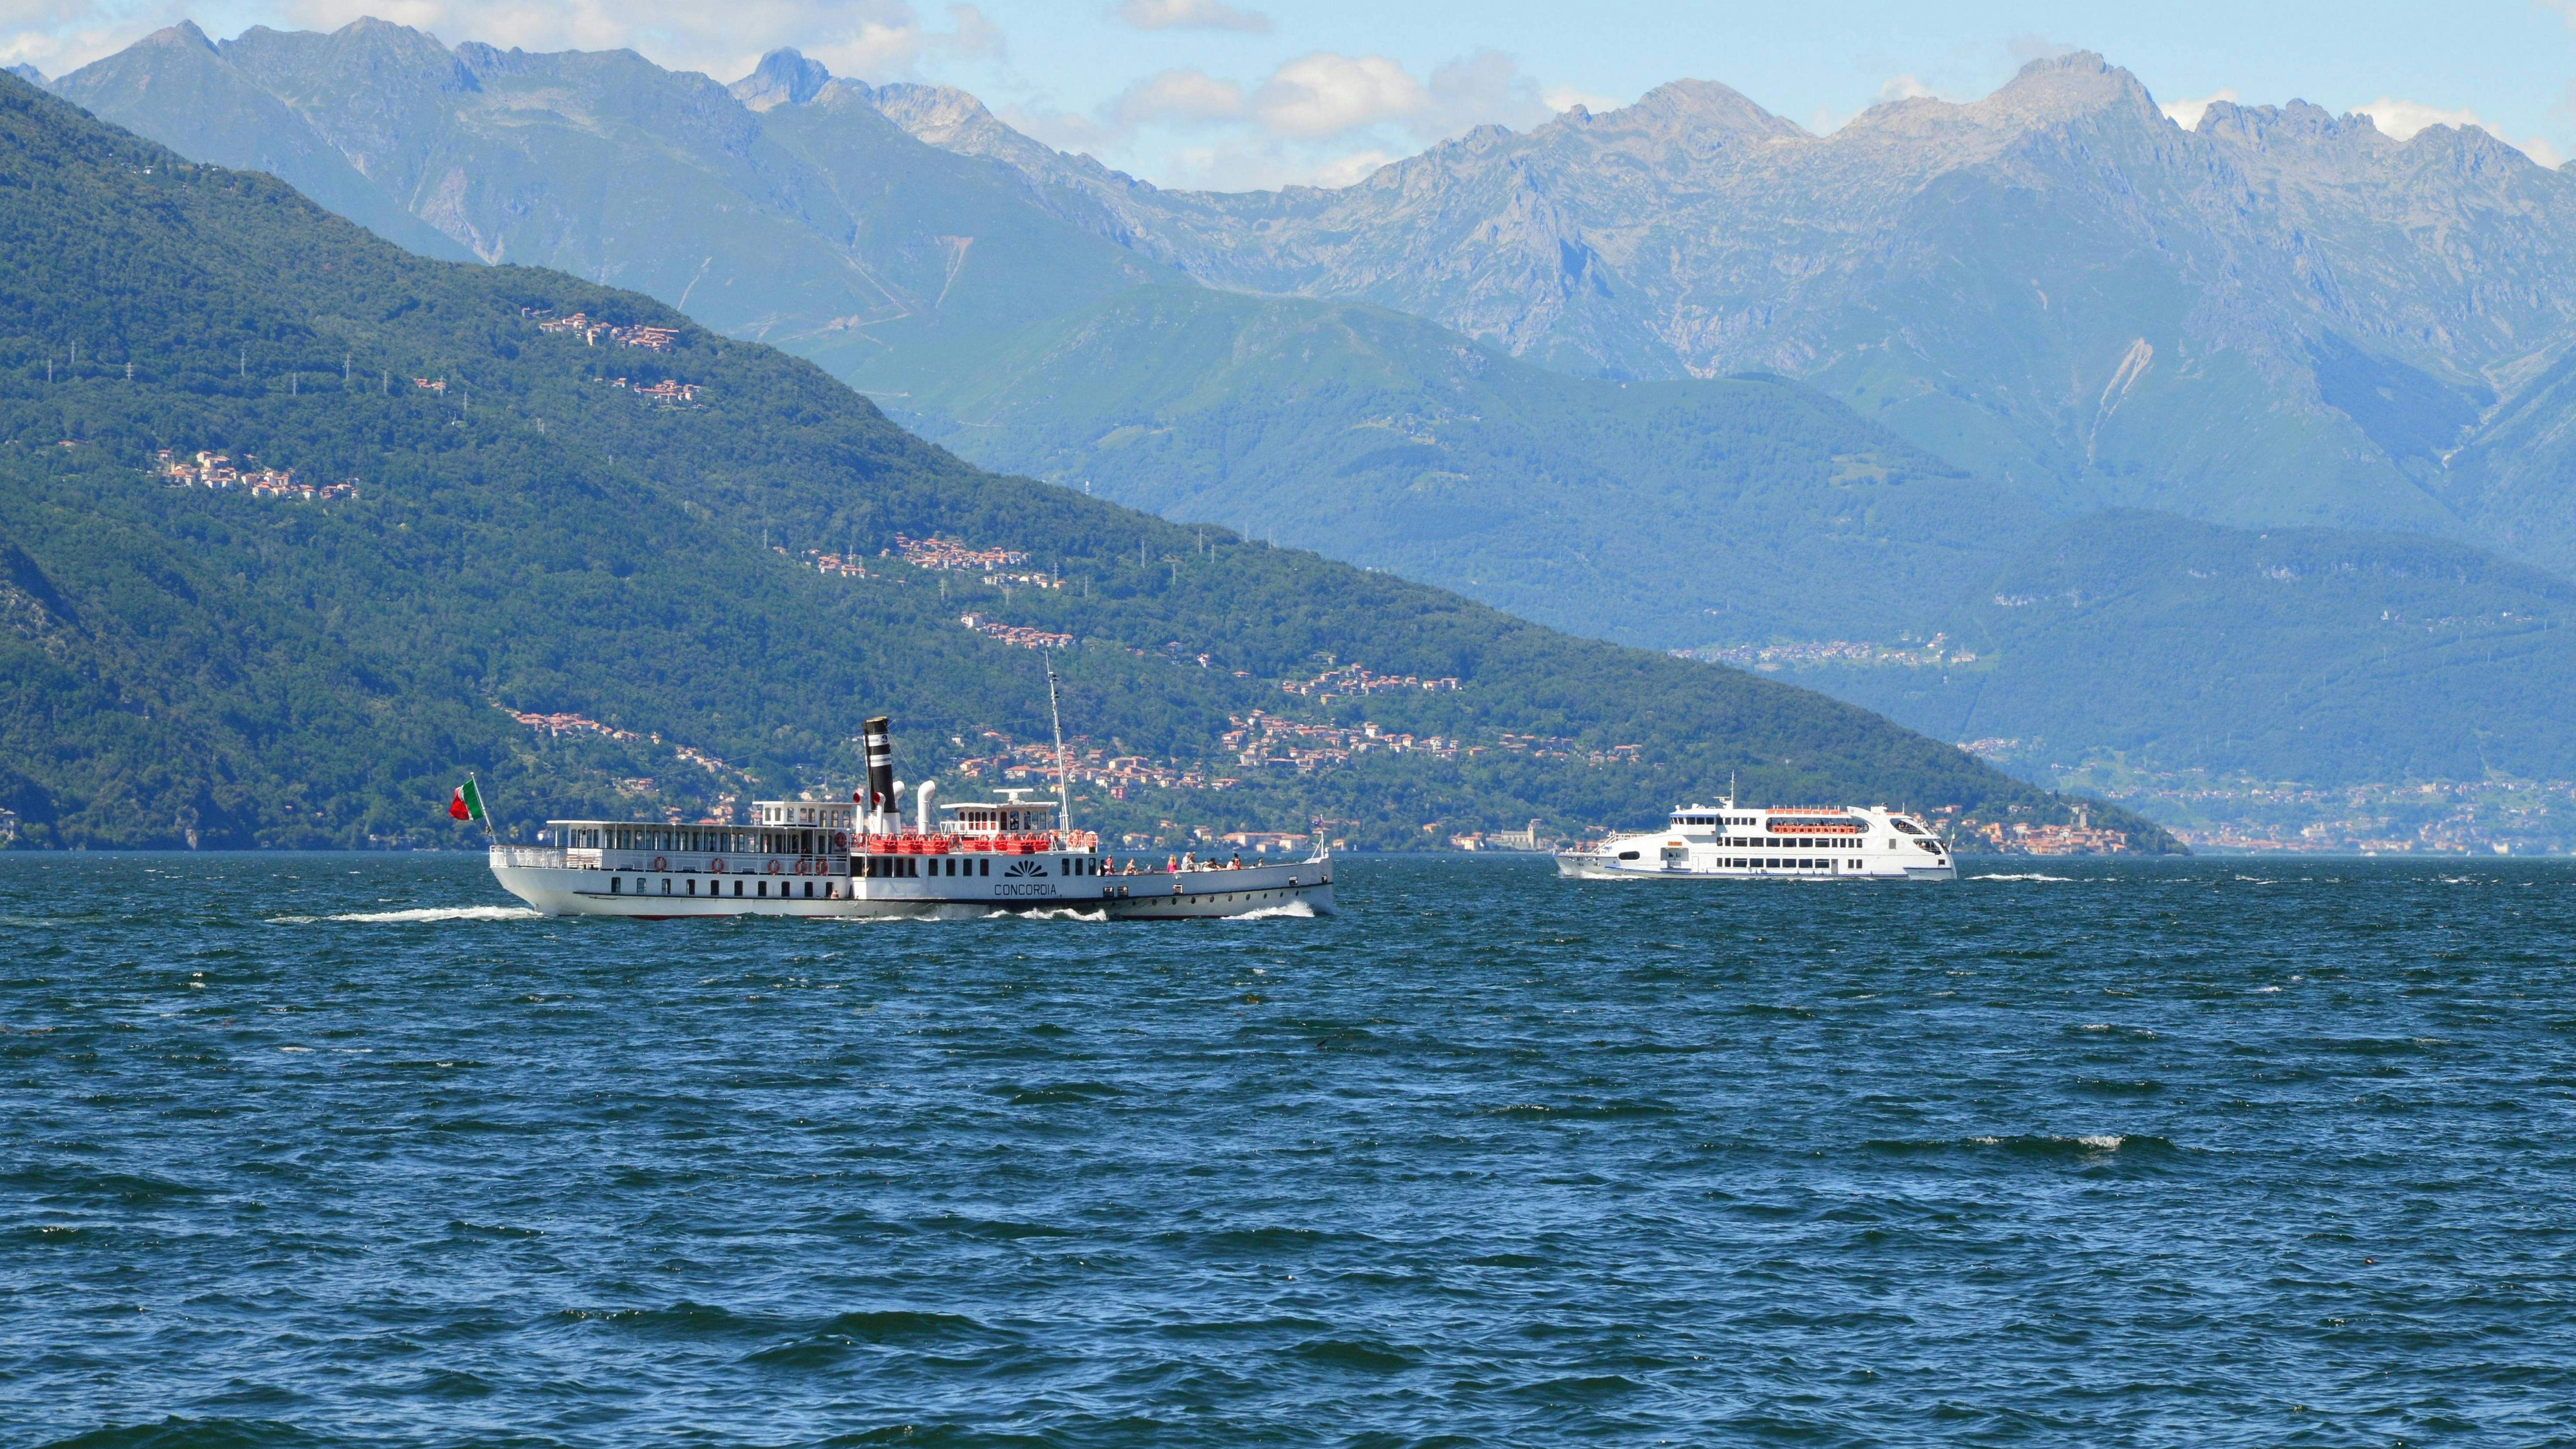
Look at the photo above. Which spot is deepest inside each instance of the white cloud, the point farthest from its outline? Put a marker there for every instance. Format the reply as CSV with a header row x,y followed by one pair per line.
x,y
1322,119
2187,112
1191,15
1184,96
2404,120
1324,94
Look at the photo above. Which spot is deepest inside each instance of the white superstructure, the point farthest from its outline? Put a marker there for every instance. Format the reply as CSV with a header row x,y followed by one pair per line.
x,y
1733,842
829,858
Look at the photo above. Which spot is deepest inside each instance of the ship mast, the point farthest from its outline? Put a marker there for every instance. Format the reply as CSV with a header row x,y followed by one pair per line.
x,y
1063,791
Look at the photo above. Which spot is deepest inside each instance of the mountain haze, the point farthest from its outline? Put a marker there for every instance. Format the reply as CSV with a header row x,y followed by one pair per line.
x,y
2319,655
2055,286
531,531
1655,513
1865,374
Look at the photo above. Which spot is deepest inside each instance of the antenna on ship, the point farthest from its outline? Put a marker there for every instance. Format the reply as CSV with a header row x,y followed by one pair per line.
x,y
1063,792
1730,789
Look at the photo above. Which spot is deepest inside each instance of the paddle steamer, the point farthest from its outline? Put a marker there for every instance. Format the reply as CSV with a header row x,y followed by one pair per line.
x,y
830,858
1732,842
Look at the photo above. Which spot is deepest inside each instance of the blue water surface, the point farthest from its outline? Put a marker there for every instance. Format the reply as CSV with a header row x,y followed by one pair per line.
x,y
321,1150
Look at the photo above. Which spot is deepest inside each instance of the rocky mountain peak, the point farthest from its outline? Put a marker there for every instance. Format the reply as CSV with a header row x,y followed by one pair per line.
x,y
185,34
939,115
2062,87
1699,105
784,77
2296,124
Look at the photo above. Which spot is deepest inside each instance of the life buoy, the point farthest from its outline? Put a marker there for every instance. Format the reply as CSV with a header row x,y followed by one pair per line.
x,y
840,840
716,866
773,867
804,866
660,864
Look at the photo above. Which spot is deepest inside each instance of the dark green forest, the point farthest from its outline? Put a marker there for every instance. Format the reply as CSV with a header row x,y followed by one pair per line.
x,y
182,664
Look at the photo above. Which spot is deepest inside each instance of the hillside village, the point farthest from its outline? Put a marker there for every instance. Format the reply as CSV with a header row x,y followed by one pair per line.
x,y
217,471
996,565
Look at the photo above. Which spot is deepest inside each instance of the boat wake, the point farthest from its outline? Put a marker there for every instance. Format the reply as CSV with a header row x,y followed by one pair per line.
x,y
1292,911
426,913
2024,875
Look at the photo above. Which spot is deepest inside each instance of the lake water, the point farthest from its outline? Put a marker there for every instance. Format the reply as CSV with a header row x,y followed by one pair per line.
x,y
324,1150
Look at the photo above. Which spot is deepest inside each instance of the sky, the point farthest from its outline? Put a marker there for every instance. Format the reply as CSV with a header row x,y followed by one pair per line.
x,y
1236,94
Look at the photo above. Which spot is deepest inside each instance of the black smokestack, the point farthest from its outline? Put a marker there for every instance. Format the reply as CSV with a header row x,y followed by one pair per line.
x,y
880,744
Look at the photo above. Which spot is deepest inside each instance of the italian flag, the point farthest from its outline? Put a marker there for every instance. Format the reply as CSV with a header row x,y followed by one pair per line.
x,y
466,804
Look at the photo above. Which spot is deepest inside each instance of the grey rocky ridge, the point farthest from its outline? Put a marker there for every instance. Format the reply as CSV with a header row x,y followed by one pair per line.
x,y
1985,323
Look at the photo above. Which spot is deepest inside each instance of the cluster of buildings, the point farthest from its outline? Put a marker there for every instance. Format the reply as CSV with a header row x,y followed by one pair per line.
x,y
1557,747
556,726
1535,838
1262,739
1264,842
560,726
831,564
2077,839
1084,764
666,391
950,555
216,470
2500,816
1351,679
1025,638
1771,658
651,339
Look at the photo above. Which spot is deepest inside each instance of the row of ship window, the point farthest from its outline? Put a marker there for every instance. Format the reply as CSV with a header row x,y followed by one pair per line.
x,y
874,867
831,890
909,867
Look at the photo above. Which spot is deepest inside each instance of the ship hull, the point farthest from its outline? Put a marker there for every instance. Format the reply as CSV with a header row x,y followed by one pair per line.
x,y
1583,867
1302,887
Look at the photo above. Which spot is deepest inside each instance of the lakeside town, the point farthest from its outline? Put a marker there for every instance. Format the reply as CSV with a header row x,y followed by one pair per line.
x,y
2233,815
1936,651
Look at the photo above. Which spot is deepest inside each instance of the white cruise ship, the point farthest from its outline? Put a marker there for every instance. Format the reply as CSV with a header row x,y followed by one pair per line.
x,y
828,858
1731,842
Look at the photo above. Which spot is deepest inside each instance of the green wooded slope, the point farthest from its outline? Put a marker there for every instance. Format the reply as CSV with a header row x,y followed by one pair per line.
x,y
265,671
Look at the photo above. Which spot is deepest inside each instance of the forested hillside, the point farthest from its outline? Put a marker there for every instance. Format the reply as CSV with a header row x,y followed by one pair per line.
x,y
624,525
1663,514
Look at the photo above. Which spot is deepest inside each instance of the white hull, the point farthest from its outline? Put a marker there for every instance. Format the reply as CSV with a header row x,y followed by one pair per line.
x,y
1585,867
1300,887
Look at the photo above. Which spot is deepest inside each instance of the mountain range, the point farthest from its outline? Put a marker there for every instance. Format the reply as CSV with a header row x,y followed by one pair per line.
x,y
1680,374
297,527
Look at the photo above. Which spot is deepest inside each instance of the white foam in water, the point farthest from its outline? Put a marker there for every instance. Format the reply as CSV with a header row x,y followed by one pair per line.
x,y
1293,911
2103,1141
427,913
2027,875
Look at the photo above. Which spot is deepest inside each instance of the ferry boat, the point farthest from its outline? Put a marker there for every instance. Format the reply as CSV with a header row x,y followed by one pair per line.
x,y
828,858
1731,842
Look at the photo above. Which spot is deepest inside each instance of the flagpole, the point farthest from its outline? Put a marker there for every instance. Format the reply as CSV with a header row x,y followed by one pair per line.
x,y
488,837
